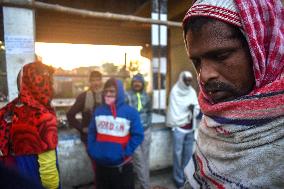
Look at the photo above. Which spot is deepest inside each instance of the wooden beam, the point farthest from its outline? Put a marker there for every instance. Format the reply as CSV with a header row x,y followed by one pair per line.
x,y
86,13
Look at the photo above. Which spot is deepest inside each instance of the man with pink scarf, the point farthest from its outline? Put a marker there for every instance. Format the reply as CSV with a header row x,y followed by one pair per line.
x,y
237,48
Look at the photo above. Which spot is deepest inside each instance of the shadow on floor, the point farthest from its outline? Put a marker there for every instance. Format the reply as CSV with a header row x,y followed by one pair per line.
x,y
161,179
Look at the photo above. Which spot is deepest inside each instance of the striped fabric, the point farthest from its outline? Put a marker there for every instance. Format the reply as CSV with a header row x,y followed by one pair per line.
x,y
238,156
241,142
261,106
222,10
262,22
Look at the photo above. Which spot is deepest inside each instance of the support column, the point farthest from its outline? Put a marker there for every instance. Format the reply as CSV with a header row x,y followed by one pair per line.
x,y
159,42
19,38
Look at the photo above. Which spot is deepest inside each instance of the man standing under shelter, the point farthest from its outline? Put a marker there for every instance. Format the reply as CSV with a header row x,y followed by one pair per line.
x,y
237,48
86,103
180,116
140,100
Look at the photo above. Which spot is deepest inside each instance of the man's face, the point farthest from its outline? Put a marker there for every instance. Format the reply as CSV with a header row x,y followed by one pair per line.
x,y
222,62
110,92
137,86
187,80
95,84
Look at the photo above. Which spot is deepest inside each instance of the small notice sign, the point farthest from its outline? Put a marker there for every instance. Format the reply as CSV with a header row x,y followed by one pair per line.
x,y
19,45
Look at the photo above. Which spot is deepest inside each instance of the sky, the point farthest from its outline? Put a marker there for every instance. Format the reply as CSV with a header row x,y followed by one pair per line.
x,y
70,56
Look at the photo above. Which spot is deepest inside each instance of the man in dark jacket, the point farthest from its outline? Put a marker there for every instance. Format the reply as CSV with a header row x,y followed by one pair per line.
x,y
114,133
86,103
140,100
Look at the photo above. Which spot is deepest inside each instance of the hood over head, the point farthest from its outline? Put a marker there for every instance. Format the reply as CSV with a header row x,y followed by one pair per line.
x,y
36,80
138,77
120,96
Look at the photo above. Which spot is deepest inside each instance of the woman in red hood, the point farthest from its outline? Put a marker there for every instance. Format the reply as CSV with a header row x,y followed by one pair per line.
x,y
28,128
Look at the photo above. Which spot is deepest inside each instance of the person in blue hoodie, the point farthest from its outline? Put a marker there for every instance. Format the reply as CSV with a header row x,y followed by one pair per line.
x,y
114,133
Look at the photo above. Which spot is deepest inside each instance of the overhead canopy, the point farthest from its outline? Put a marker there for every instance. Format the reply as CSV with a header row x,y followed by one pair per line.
x,y
52,26
59,27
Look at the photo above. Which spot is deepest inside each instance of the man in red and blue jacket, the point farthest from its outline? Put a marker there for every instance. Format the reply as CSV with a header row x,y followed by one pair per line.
x,y
114,133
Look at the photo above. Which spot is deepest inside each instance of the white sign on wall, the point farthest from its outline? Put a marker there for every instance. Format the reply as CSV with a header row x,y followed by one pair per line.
x,y
19,37
19,44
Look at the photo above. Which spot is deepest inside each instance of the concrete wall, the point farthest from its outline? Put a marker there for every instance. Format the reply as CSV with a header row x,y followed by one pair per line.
x,y
75,165
161,147
177,56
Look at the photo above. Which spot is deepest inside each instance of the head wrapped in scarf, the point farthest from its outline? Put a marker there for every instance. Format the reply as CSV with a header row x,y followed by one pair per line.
x,y
262,24
237,139
36,84
29,123
181,98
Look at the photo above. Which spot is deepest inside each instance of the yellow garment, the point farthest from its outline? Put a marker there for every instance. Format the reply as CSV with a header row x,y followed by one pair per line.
x,y
48,170
139,103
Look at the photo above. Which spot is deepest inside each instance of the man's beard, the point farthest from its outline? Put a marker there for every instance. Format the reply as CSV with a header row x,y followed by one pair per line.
x,y
213,86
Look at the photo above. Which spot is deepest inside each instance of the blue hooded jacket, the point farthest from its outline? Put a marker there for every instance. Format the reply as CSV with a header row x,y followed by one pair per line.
x,y
112,139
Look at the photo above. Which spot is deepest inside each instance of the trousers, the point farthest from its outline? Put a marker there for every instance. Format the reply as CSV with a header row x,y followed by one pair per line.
x,y
115,177
141,161
182,152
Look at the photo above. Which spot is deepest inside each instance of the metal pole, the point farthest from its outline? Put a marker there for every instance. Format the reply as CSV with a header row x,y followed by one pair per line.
x,y
159,55
86,13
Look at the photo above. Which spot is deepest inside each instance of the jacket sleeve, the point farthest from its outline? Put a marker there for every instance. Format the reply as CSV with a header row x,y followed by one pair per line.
x,y
168,113
48,169
127,98
149,111
92,130
76,108
136,133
